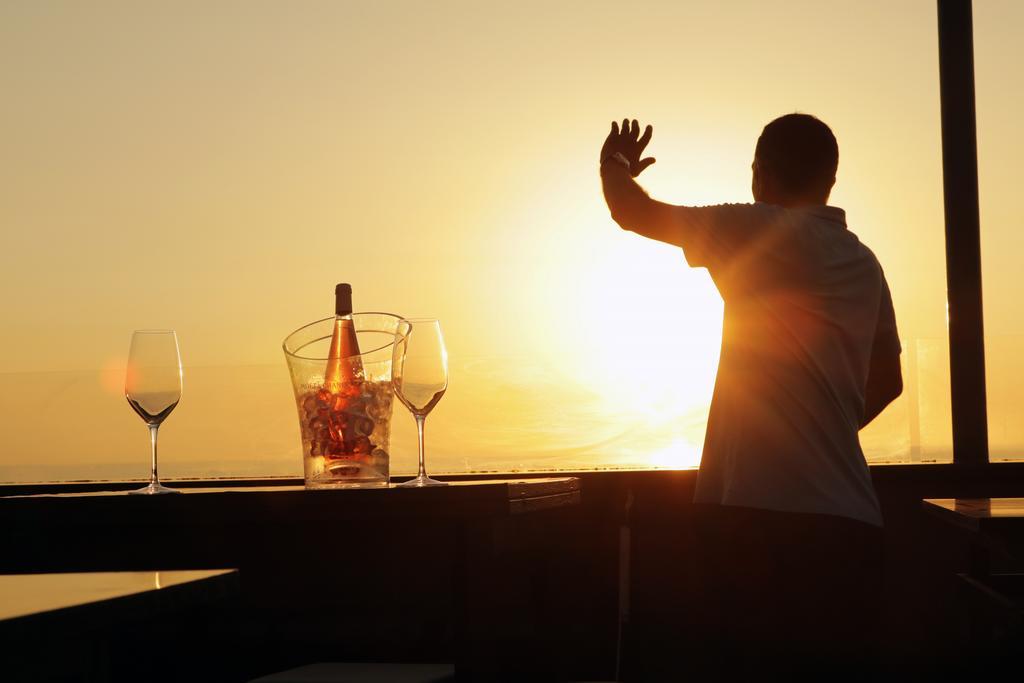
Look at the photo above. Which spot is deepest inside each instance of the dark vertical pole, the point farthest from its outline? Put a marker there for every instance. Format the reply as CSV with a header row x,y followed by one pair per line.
x,y
963,243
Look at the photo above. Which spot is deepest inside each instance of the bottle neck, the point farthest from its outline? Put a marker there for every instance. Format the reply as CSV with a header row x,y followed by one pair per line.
x,y
343,301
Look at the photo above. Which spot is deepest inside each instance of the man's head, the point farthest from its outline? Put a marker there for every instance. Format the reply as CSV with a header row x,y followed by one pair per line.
x,y
795,162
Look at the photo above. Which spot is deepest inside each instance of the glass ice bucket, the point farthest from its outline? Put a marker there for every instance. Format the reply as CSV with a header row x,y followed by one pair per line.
x,y
346,432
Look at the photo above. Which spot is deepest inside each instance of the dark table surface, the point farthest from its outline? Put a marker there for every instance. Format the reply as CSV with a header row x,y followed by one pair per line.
x,y
490,497
979,514
454,570
994,525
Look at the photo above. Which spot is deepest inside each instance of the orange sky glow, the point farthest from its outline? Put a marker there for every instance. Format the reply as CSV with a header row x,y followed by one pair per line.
x,y
217,168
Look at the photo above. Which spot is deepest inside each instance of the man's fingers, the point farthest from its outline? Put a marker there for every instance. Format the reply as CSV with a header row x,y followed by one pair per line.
x,y
648,132
644,163
629,141
611,143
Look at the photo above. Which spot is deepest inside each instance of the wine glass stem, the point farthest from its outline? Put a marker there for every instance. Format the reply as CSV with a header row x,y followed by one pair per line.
x,y
152,442
420,419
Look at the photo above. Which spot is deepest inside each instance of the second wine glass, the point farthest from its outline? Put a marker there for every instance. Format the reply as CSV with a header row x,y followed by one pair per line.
x,y
420,376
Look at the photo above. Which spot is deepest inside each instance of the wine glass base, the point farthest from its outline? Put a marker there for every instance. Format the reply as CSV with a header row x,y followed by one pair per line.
x,y
154,488
420,482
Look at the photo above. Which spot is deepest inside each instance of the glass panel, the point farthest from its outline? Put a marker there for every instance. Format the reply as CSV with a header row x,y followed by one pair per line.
x,y
1000,82
217,169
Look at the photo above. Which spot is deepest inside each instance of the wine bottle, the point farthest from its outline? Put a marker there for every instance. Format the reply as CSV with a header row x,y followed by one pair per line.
x,y
344,368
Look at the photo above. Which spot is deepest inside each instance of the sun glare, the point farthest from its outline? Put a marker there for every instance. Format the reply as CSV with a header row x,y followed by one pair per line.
x,y
680,454
112,374
624,319
660,345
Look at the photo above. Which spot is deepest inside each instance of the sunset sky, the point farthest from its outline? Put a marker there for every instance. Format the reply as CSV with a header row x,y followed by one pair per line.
x,y
216,167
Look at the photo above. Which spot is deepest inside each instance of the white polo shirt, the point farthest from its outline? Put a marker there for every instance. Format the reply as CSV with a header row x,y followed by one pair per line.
x,y
804,303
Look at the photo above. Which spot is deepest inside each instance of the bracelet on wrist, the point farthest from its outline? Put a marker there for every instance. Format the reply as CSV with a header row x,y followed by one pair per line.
x,y
617,158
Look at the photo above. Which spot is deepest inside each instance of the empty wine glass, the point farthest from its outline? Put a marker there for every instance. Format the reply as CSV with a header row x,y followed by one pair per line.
x,y
420,376
152,385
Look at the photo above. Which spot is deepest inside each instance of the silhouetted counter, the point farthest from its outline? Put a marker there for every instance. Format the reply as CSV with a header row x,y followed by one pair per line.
x,y
452,574
272,504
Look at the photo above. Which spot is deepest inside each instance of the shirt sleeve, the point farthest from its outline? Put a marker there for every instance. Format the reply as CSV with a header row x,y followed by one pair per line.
x,y
724,238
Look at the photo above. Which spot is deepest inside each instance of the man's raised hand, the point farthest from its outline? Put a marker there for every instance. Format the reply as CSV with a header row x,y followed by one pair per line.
x,y
628,142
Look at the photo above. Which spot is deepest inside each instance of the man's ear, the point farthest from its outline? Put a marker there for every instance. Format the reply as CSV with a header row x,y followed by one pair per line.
x,y
828,189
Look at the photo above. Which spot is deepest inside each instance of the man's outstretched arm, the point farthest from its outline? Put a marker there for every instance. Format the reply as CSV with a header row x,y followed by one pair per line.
x,y
630,206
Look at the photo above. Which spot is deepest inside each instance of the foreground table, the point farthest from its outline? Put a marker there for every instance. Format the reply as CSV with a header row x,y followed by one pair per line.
x,y
81,617
102,598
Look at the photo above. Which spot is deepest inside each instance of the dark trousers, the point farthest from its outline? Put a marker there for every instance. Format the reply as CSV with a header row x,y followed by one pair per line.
x,y
787,591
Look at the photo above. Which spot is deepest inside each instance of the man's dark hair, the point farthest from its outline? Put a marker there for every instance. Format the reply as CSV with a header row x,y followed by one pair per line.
x,y
800,152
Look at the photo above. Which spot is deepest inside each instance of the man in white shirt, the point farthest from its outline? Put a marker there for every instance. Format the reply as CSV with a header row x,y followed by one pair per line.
x,y
788,524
